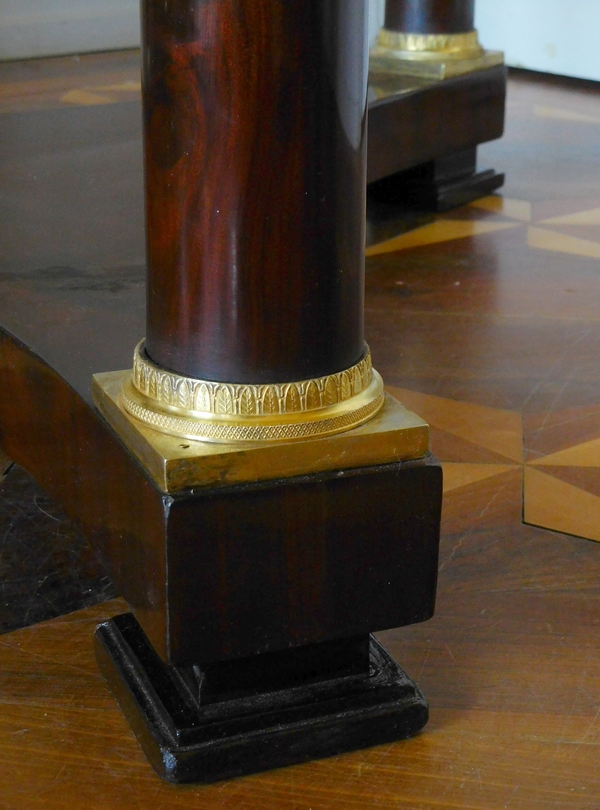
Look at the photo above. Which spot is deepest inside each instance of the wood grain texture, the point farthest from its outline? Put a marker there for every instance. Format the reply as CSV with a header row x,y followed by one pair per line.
x,y
51,431
430,16
81,320
226,572
39,84
279,564
255,124
445,117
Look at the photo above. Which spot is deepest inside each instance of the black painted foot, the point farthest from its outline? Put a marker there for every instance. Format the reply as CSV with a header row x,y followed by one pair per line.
x,y
202,726
440,185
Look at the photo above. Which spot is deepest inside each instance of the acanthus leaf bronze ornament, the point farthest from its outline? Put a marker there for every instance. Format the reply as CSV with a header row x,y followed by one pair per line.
x,y
219,411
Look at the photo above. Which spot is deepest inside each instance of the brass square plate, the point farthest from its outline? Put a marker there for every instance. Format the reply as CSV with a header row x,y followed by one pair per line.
x,y
383,62
395,434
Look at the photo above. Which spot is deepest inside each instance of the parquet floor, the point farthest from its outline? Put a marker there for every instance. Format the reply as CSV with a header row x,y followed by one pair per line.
x,y
486,321
556,448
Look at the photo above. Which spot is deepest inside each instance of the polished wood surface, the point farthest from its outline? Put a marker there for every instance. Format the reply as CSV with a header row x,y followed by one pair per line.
x,y
509,665
284,708
255,148
216,573
430,16
70,81
487,323
251,569
421,121
412,122
48,428
183,562
222,572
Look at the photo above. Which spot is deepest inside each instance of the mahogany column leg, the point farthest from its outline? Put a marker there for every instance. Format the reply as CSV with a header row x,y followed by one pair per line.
x,y
255,159
435,40
255,139
430,16
312,519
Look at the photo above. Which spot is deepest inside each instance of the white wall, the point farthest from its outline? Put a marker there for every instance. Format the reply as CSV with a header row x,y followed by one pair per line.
x,y
376,15
47,27
556,36
553,36
31,28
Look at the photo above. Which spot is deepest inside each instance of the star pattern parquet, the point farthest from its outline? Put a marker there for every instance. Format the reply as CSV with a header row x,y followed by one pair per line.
x,y
506,262
560,490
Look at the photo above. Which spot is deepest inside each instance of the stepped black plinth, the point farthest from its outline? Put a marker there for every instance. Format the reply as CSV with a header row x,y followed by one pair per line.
x,y
257,714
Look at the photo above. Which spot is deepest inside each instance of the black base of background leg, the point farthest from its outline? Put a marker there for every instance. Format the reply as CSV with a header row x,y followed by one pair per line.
x,y
445,197
440,185
242,732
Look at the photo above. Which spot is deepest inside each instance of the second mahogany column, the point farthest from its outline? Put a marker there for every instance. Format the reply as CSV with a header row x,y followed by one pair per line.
x,y
430,16
254,123
431,48
431,38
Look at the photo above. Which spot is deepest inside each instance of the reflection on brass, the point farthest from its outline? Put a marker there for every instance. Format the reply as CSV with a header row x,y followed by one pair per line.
x,y
435,56
394,434
216,411
430,46
189,394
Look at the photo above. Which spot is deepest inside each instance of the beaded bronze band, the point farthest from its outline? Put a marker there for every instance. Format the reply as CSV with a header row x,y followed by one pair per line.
x,y
229,412
429,46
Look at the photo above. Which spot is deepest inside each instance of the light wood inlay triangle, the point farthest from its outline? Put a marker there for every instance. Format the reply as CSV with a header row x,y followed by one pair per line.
x,y
591,217
459,475
581,455
561,243
444,230
496,430
554,504
508,207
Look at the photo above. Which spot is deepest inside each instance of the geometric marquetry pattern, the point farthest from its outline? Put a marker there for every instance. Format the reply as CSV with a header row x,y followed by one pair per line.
x,y
482,447
477,444
562,477
473,442
576,232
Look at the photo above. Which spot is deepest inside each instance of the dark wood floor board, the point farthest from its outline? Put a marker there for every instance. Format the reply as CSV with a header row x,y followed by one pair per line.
x,y
508,723
37,84
500,362
536,105
47,567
